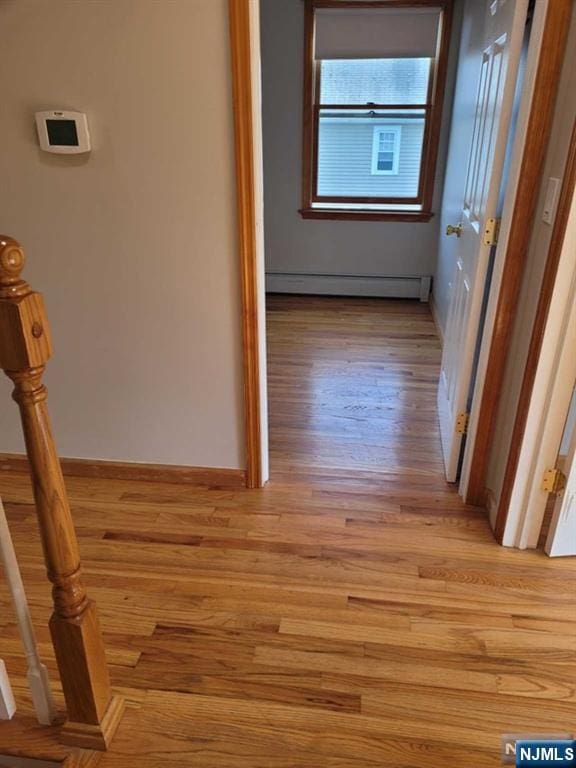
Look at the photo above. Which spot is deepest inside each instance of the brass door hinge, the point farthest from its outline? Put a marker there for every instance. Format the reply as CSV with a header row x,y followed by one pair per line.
x,y
553,481
462,423
491,231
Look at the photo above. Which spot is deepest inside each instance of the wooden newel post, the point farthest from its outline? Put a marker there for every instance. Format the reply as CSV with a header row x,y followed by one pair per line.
x,y
25,347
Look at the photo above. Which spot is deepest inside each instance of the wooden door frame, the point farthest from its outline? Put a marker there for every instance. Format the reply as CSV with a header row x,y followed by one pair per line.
x,y
522,441
549,379
501,314
245,60
245,57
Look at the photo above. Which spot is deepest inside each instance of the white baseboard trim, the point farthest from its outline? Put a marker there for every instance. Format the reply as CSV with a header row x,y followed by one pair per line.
x,y
434,312
350,285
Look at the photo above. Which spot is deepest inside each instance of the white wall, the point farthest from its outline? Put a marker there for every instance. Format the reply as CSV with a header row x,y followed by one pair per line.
x,y
133,246
318,246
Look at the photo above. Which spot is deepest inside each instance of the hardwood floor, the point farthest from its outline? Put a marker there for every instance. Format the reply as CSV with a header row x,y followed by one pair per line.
x,y
352,385
353,614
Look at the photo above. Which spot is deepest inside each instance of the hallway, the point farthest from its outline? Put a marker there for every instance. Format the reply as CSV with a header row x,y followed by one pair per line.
x,y
335,619
352,385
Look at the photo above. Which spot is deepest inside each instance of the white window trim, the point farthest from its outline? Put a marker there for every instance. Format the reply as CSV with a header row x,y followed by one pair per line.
x,y
378,130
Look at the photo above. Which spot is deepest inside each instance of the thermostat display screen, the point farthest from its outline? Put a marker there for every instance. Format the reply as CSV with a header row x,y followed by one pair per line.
x,y
62,133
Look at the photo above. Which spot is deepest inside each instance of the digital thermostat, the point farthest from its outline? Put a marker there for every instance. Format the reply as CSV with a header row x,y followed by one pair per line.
x,y
65,133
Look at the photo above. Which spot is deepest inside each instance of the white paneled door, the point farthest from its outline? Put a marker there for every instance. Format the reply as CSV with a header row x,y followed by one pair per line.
x,y
498,68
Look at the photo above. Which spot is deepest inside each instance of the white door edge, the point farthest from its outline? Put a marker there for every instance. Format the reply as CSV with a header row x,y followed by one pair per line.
x,y
561,539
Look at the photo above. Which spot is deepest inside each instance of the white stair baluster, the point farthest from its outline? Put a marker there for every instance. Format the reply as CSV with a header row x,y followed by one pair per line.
x,y
7,703
37,673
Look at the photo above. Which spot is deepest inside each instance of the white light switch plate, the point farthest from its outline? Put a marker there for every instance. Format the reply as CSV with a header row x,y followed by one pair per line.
x,y
551,200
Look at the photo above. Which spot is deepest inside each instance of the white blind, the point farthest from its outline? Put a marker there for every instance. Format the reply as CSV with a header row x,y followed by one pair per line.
x,y
379,33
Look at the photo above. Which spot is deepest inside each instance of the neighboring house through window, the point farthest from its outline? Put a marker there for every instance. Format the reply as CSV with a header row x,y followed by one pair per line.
x,y
386,151
374,85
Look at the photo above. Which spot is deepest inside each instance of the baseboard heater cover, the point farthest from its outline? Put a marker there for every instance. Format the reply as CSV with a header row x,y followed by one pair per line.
x,y
350,285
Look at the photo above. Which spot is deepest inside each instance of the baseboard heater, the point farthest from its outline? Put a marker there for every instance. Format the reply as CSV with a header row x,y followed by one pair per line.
x,y
350,285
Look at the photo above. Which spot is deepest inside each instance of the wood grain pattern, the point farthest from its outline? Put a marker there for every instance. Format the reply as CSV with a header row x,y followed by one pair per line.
x,y
352,613
343,398
242,87
209,477
23,738
537,135
24,349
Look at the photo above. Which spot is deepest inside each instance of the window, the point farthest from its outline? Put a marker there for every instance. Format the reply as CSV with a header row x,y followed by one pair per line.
x,y
386,151
373,87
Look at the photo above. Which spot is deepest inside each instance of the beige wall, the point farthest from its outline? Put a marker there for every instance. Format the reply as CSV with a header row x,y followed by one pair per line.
x,y
564,117
133,245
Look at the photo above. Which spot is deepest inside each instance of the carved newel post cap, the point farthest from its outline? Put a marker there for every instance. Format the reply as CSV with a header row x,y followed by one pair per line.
x,y
12,261
24,334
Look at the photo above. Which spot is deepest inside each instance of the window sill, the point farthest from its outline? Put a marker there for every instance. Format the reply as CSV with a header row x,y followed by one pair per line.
x,y
365,215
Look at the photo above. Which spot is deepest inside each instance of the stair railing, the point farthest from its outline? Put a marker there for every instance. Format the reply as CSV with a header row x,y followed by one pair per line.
x,y
7,703
25,347
37,674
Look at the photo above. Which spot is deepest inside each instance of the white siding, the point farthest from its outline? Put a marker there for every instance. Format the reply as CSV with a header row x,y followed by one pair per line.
x,y
345,161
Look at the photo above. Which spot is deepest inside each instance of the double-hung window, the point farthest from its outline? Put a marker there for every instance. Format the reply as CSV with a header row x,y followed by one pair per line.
x,y
374,81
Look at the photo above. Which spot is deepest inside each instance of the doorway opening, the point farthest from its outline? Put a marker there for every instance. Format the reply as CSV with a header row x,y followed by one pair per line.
x,y
250,188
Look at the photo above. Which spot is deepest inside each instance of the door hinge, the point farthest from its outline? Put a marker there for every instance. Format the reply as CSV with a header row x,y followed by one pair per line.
x,y
553,481
462,423
491,231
